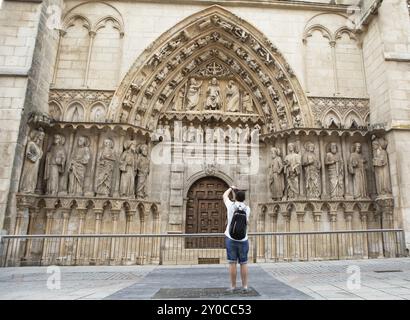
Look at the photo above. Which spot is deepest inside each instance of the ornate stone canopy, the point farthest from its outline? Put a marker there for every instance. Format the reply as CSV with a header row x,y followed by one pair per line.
x,y
212,44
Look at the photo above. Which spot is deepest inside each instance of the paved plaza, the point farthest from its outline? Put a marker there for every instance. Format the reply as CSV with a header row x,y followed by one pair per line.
x,y
386,279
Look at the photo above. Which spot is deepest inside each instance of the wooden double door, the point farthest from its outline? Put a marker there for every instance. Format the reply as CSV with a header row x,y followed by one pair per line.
x,y
206,212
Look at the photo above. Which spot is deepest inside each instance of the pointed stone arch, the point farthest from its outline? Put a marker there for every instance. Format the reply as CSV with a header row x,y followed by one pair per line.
x,y
353,120
213,34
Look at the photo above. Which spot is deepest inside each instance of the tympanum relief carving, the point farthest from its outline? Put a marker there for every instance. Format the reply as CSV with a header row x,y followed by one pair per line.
x,y
214,64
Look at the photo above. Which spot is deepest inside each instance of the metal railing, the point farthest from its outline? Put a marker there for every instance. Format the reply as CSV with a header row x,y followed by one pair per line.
x,y
128,249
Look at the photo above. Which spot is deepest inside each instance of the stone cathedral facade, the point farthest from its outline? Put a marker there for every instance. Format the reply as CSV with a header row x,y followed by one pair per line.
x,y
135,116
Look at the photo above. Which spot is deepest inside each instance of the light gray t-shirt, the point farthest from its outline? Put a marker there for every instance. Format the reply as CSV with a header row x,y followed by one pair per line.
x,y
231,207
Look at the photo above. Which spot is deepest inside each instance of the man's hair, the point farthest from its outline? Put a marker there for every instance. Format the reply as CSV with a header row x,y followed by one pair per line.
x,y
239,195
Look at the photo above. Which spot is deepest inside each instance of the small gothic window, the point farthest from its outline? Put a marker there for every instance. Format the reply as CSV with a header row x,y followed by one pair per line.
x,y
333,124
354,124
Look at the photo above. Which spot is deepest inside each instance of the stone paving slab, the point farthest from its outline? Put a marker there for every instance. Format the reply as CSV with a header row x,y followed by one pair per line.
x,y
379,278
207,277
289,280
30,283
203,293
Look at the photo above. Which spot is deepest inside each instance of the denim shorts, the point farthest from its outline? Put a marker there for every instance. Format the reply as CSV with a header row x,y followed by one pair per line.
x,y
237,251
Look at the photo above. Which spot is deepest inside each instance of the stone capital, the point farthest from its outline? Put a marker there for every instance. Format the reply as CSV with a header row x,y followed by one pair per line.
x,y
115,215
348,216
66,214
98,213
333,217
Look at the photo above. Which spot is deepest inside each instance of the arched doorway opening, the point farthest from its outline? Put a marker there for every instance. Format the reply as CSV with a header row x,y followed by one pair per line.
x,y
206,212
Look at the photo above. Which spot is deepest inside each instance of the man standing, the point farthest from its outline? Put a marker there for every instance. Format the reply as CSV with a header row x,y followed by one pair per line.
x,y
237,247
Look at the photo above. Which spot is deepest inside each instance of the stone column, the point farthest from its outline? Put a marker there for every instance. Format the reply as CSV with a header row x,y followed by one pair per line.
x,y
300,248
260,239
14,259
79,246
115,242
286,241
141,242
334,238
389,241
349,236
365,240
19,219
49,227
90,48
156,241
336,80
97,254
377,217
33,214
61,33
317,243
274,224
128,255
64,241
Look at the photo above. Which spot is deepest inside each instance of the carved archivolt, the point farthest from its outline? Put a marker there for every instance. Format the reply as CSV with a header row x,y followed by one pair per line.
x,y
213,44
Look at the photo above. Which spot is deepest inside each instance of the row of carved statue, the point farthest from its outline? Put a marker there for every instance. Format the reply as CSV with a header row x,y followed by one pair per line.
x,y
66,174
207,133
285,173
188,97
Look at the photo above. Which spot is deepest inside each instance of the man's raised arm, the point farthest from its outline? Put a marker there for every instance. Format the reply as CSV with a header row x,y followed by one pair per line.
x,y
226,194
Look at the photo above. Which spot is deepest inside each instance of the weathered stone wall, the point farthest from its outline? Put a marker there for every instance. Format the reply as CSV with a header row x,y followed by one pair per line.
x,y
386,48
18,30
29,52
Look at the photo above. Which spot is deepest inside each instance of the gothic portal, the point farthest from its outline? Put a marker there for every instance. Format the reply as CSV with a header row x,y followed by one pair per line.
x,y
149,144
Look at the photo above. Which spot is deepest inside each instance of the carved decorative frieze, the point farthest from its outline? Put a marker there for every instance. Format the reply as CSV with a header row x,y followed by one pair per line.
x,y
337,112
79,105
51,202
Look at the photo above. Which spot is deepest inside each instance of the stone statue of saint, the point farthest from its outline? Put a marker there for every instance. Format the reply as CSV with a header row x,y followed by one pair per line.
x,y
192,97
277,183
245,135
78,166
239,131
191,133
230,133
167,132
213,95
179,100
219,135
334,163
138,119
200,134
292,171
55,164
232,97
34,153
247,103
381,166
127,169
209,135
105,168
184,133
311,166
358,170
143,164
